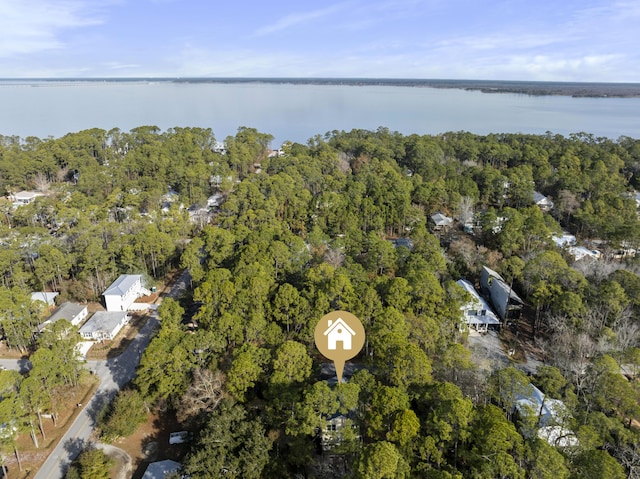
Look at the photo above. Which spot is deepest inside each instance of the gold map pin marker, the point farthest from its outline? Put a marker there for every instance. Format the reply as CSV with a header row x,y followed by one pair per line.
x,y
339,336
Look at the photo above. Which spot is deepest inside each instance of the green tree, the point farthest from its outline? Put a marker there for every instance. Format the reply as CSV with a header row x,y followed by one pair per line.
x,y
125,414
446,418
191,259
91,464
387,404
51,266
381,460
496,448
17,318
289,308
507,385
231,444
11,414
545,461
247,367
156,247
318,404
291,364
62,338
596,464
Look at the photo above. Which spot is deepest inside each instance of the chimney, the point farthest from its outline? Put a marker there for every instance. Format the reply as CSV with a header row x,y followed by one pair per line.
x,y
330,323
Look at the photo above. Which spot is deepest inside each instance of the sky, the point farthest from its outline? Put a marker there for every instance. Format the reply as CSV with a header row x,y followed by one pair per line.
x,y
543,40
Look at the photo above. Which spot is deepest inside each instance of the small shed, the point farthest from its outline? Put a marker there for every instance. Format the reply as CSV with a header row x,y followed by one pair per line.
x,y
104,325
440,221
46,297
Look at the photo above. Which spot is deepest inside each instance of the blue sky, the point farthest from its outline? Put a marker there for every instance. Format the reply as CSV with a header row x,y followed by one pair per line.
x,y
566,40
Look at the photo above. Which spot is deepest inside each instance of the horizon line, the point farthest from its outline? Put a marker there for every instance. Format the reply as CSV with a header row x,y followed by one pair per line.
x,y
311,78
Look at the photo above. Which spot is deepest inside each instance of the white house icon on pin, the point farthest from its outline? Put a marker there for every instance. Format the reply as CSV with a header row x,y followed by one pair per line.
x,y
339,331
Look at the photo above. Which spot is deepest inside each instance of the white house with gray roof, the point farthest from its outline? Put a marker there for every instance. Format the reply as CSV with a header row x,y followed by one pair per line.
x,y
73,312
123,292
543,202
552,415
104,325
476,313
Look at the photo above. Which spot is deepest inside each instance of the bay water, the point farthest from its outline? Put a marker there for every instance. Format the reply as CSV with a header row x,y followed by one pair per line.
x,y
297,112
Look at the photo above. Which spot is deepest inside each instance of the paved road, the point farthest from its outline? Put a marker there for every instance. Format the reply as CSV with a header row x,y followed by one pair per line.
x,y
114,374
22,365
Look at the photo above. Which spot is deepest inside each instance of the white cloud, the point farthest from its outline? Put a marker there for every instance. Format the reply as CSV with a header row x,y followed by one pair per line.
x,y
28,26
506,40
568,68
295,19
121,66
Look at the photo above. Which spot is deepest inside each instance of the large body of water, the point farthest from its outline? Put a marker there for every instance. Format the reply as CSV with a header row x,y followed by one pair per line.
x,y
297,112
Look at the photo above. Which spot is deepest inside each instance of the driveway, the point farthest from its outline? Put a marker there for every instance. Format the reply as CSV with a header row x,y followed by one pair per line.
x,y
114,374
489,353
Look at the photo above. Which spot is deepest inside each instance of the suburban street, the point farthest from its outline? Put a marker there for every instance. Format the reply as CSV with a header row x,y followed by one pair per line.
x,y
114,374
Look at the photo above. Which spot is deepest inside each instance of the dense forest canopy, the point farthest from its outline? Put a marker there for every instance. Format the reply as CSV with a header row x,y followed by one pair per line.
x,y
275,240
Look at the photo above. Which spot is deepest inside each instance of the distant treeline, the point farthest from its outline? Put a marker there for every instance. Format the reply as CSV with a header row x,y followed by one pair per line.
x,y
535,88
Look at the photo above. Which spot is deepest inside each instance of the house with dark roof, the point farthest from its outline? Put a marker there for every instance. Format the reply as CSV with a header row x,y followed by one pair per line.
x,y
505,300
123,292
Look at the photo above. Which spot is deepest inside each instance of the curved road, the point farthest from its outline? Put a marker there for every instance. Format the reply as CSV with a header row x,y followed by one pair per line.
x,y
114,374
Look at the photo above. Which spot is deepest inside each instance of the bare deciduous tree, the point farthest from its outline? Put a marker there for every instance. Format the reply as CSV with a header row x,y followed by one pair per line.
x,y
466,210
567,203
570,350
41,182
627,330
203,395
629,457
334,257
598,270
62,174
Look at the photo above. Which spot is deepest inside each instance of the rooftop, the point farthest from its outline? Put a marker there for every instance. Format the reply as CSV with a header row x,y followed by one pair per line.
x,y
513,296
44,296
161,469
121,285
103,321
489,317
66,311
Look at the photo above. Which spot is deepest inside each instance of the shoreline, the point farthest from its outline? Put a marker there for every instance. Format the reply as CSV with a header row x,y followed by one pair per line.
x,y
530,88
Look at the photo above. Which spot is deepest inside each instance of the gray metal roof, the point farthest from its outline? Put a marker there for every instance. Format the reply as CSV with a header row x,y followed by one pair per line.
x,y
121,285
66,311
105,321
